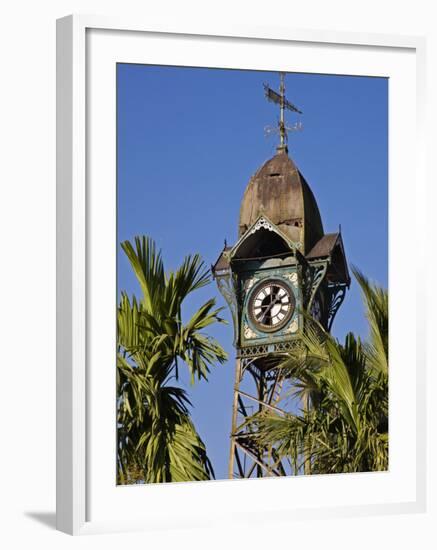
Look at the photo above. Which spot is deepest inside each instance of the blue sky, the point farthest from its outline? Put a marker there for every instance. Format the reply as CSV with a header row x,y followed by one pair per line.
x,y
189,139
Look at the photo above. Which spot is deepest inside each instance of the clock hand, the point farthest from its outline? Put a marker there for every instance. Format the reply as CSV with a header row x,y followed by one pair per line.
x,y
268,309
261,319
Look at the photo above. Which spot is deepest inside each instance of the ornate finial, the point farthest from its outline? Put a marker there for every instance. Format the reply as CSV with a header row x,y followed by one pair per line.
x,y
283,103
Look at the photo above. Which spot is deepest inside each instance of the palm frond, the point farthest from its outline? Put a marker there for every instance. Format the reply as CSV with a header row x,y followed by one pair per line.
x,y
157,441
376,304
148,267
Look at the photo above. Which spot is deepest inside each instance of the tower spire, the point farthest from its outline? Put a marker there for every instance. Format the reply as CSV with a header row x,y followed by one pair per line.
x,y
282,131
282,101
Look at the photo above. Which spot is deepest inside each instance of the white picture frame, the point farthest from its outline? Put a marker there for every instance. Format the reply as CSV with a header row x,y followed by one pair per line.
x,y
76,212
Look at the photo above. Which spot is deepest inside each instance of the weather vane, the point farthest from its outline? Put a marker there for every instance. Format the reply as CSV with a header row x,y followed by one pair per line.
x,y
283,103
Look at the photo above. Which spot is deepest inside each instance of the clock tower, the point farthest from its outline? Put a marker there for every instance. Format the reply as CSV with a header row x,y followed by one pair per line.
x,y
282,268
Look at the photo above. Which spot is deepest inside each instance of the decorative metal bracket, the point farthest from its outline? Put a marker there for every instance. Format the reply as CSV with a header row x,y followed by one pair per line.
x,y
318,274
337,296
227,288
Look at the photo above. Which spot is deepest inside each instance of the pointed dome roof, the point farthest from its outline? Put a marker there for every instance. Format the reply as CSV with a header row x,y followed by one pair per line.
x,y
279,191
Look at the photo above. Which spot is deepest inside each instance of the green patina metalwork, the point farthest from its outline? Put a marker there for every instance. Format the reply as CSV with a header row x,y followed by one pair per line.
x,y
250,334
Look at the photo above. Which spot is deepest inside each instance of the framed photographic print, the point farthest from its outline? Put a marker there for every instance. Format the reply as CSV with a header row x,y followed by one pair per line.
x,y
239,297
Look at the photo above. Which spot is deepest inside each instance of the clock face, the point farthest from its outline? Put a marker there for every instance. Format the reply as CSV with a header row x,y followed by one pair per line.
x,y
271,305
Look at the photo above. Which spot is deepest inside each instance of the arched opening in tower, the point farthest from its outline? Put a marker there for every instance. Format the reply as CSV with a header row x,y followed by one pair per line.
x,y
262,244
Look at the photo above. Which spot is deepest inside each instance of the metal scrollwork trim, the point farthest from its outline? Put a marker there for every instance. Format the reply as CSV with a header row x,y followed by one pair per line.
x,y
226,287
337,296
319,273
262,223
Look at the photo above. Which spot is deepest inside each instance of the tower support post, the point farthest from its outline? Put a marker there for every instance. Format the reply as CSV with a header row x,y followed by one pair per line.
x,y
234,417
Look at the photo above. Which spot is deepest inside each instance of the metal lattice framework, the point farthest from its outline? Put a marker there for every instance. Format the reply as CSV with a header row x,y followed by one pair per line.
x,y
266,349
247,458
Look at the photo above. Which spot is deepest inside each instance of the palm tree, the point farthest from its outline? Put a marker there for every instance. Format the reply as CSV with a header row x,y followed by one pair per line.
x,y
157,441
345,428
